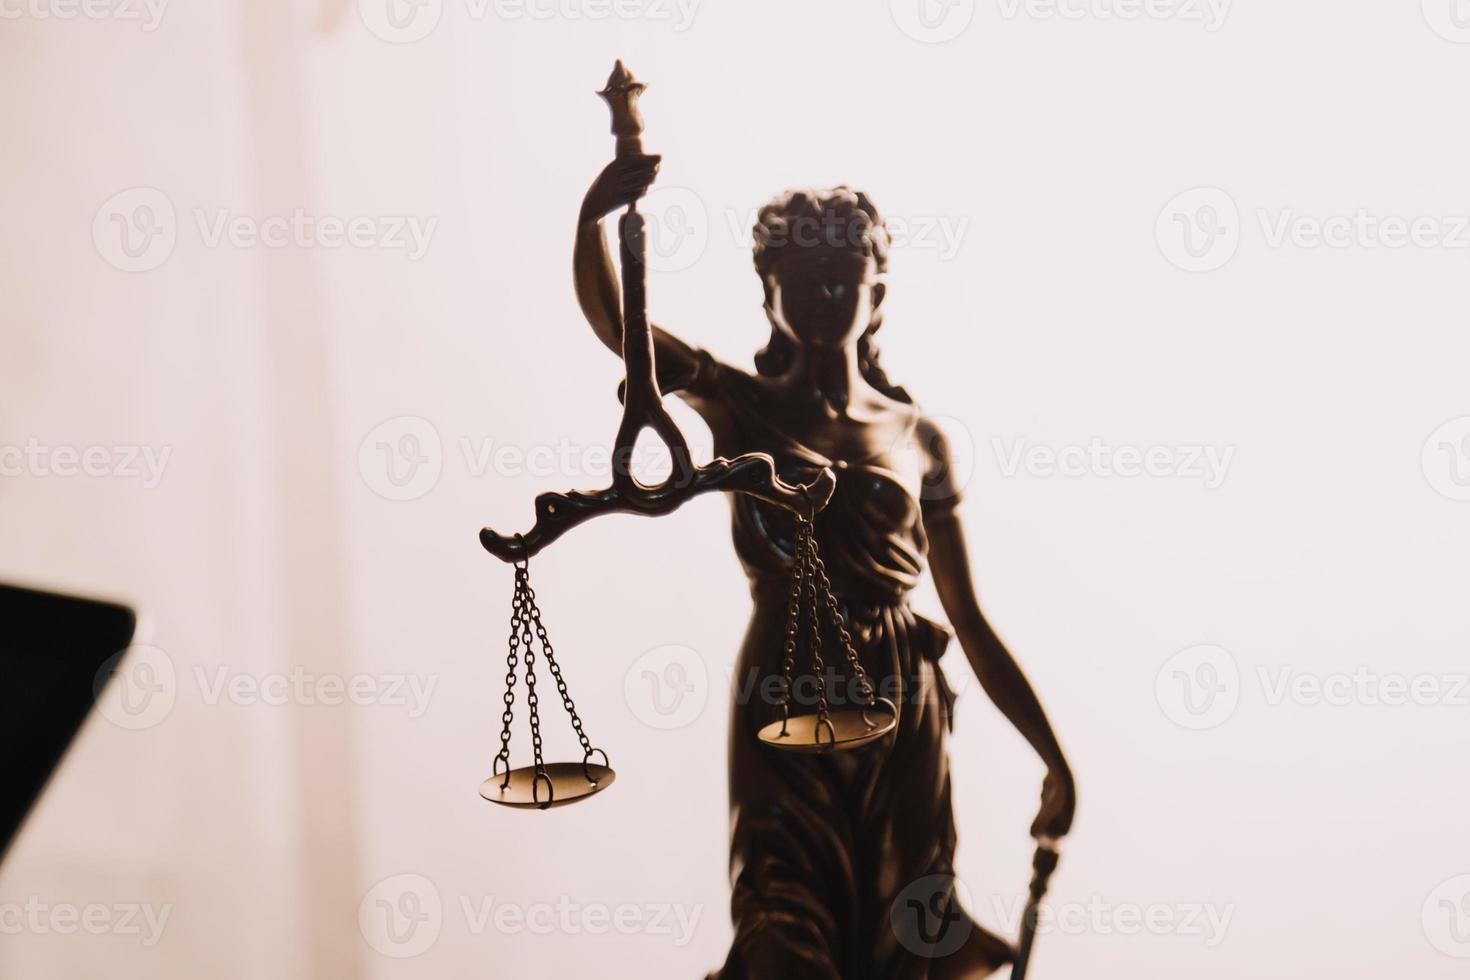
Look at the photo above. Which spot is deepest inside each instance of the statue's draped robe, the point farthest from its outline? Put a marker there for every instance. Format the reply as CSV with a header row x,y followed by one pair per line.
x,y
823,847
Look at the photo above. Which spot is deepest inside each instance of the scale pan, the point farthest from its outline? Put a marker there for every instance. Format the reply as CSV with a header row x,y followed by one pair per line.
x,y
568,784
851,728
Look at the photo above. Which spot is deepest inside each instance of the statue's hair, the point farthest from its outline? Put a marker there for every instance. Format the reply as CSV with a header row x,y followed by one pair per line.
x,y
840,218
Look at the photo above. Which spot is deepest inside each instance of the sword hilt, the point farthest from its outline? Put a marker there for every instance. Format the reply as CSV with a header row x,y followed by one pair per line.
x,y
1043,864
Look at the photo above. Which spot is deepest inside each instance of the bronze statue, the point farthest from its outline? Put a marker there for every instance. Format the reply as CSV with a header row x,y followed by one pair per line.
x,y
824,448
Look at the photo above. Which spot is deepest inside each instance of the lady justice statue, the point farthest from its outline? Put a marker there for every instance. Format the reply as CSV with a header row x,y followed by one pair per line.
x,y
824,844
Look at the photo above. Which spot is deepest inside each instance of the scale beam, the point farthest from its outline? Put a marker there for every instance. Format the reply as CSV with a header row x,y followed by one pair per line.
x,y
754,474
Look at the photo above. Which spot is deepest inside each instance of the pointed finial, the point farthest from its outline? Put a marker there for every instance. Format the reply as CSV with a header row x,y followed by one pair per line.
x,y
621,95
622,78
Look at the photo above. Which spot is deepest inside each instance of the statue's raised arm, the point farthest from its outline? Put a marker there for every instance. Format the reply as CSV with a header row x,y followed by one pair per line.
x,y
628,330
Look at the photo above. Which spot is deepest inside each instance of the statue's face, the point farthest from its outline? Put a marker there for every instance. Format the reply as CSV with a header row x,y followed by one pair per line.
x,y
823,297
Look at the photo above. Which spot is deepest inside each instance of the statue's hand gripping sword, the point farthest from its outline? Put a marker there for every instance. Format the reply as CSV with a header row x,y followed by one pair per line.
x,y
751,473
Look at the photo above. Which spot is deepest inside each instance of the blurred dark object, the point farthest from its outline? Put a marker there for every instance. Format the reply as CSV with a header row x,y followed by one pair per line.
x,y
52,651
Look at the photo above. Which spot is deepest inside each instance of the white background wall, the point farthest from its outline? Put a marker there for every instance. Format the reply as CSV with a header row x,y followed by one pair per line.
x,y
1273,835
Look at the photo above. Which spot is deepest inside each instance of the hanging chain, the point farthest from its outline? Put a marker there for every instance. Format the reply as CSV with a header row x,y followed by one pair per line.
x,y
794,615
809,587
528,598
561,685
526,630
517,605
819,668
819,571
